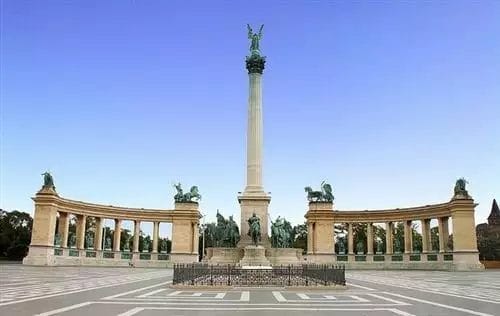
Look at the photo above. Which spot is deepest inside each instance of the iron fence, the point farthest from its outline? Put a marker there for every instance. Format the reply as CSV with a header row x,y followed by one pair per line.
x,y
230,275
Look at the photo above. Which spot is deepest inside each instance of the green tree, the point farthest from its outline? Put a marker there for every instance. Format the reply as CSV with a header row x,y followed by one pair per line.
x,y
15,234
300,241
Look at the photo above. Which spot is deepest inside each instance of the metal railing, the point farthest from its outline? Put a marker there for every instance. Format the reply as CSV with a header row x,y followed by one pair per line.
x,y
230,275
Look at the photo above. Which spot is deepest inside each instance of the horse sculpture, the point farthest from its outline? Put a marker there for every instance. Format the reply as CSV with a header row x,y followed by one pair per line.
x,y
181,197
325,195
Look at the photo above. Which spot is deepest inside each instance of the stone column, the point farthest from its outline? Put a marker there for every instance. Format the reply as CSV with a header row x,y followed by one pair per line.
x,y
408,236
156,226
80,231
350,239
388,238
195,234
426,235
443,234
63,228
310,239
137,231
117,235
254,135
99,222
369,239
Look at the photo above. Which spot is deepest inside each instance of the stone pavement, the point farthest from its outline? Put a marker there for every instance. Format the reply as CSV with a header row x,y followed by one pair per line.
x,y
87,291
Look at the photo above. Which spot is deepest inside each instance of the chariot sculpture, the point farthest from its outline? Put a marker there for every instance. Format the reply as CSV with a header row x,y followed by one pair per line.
x,y
325,195
192,196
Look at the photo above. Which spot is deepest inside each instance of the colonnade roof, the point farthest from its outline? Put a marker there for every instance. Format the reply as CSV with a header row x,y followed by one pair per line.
x,y
186,211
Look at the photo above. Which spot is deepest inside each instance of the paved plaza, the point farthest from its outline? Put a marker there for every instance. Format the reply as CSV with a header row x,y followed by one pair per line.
x,y
46,291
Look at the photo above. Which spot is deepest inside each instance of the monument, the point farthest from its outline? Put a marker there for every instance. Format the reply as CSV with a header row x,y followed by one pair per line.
x,y
254,200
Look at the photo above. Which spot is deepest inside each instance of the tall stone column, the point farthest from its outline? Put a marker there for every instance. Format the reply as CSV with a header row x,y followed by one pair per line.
x,y
408,236
369,238
137,231
117,235
63,228
426,235
156,235
443,234
389,238
350,239
99,222
80,231
254,199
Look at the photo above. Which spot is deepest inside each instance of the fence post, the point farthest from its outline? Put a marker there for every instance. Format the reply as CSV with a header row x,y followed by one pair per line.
x,y
211,276
228,274
289,275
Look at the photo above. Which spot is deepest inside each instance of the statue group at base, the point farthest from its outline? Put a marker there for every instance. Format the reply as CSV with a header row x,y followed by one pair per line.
x,y
282,235
227,233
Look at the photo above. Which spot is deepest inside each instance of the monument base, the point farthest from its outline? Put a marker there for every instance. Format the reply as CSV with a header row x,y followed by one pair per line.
x,y
221,255
254,256
285,256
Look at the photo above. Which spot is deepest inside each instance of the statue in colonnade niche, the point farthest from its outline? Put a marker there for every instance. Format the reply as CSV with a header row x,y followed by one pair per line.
x,y
126,245
145,245
72,240
163,246
254,229
325,195
89,240
397,245
192,196
341,243
360,248
107,243
379,246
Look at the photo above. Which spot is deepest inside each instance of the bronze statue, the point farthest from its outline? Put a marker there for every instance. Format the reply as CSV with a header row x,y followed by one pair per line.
x,y
281,233
325,195
254,229
48,181
460,187
226,232
254,40
181,197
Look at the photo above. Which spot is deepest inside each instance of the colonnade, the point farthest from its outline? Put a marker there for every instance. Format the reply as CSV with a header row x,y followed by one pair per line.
x,y
321,219
48,205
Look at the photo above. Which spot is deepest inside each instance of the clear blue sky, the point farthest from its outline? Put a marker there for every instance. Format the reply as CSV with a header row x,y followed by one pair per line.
x,y
390,103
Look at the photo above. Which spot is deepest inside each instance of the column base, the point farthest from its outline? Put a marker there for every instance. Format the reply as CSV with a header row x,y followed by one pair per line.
x,y
40,256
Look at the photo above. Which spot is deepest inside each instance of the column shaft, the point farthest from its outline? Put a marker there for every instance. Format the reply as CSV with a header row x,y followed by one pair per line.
x,y
196,240
408,236
426,235
117,235
369,238
137,231
388,238
63,228
80,231
156,235
254,135
350,239
99,222
443,234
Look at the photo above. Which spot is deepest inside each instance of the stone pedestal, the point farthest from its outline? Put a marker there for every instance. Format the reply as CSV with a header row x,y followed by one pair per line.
x,y
284,256
257,204
222,255
254,256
